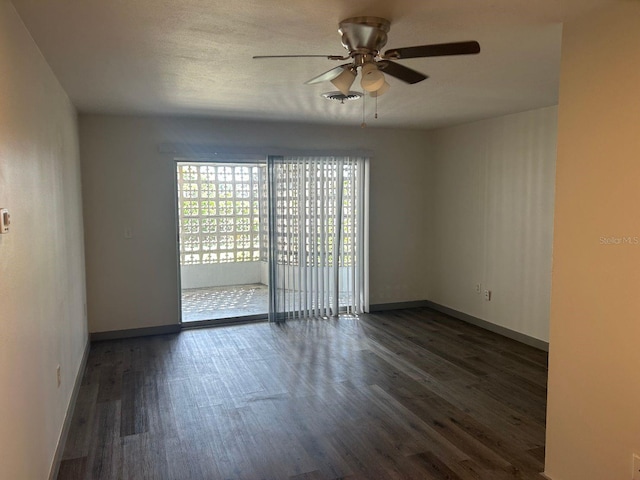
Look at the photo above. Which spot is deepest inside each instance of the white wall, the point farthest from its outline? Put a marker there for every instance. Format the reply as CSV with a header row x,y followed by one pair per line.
x,y
133,283
42,322
593,419
220,274
493,191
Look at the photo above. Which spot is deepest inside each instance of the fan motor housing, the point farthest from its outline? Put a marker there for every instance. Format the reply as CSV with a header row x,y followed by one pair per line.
x,y
364,35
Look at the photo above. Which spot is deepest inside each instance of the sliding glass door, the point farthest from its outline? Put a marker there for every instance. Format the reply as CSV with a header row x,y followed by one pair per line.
x,y
286,236
223,239
317,236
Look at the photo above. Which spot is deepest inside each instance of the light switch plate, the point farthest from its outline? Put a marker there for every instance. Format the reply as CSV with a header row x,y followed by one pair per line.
x,y
5,220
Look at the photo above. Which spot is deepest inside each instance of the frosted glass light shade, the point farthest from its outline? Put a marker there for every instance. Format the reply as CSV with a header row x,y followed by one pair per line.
x,y
344,81
372,78
382,90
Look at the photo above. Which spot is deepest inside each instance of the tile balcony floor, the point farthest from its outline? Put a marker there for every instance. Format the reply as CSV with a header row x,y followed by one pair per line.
x,y
214,303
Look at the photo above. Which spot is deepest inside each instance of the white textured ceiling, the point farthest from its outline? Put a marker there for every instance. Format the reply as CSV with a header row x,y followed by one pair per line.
x,y
193,57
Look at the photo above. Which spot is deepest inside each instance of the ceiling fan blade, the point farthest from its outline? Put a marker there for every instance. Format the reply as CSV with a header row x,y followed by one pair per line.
x,y
401,72
328,75
435,50
328,57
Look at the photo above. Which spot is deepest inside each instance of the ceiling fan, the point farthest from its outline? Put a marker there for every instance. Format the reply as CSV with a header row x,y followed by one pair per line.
x,y
363,38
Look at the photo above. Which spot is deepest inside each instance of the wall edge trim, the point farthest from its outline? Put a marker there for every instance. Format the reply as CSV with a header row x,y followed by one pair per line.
x,y
225,322
66,425
383,307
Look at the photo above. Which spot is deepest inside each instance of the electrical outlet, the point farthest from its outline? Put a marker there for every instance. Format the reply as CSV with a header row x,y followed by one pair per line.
x,y
636,467
487,295
58,375
478,288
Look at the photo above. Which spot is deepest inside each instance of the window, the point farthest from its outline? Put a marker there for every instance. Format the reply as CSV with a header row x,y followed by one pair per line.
x,y
219,212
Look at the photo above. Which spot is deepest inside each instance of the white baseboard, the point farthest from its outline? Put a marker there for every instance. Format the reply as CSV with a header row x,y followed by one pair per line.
x,y
134,332
478,322
57,458
492,327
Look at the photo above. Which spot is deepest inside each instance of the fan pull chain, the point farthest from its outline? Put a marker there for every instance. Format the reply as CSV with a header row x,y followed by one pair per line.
x,y
376,115
363,124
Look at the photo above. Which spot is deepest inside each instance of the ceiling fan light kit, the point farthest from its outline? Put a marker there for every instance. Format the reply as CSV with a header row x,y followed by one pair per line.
x,y
372,78
364,38
381,91
342,97
344,81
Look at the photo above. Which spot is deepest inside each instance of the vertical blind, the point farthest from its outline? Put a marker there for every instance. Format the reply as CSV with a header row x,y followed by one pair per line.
x,y
316,223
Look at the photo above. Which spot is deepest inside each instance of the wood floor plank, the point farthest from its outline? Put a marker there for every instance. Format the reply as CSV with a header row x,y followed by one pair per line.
x,y
143,457
435,466
132,406
73,469
394,395
445,432
105,456
315,475
110,378
78,445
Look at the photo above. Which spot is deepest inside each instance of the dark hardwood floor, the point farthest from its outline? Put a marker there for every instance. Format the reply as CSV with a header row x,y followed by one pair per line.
x,y
404,394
